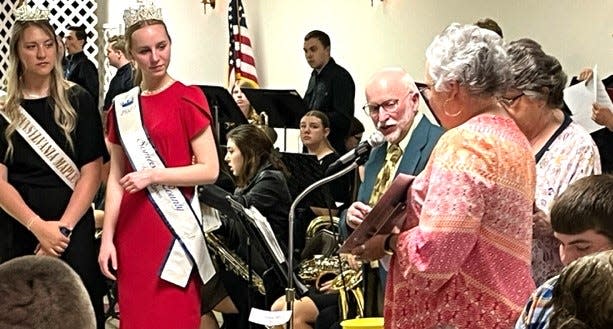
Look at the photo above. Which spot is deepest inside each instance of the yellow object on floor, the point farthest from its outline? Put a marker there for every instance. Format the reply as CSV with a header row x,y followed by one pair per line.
x,y
363,323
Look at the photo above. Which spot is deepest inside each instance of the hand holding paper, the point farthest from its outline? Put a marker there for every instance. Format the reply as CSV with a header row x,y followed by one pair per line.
x,y
384,217
581,98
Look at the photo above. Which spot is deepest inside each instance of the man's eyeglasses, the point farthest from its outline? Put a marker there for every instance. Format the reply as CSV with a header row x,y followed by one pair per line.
x,y
508,101
390,106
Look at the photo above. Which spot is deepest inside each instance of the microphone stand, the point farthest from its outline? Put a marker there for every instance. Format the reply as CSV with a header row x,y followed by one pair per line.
x,y
290,292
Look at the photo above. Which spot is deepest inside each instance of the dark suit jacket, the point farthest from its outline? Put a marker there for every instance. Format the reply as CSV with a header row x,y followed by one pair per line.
x,y
121,82
414,160
333,94
80,70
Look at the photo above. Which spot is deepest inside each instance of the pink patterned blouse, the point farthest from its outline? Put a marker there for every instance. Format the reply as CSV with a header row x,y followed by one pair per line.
x,y
463,258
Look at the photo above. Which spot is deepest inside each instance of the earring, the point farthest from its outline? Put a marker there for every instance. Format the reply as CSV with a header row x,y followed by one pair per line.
x,y
450,114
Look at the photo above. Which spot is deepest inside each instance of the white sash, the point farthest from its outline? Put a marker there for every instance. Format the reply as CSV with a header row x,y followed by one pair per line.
x,y
189,245
51,153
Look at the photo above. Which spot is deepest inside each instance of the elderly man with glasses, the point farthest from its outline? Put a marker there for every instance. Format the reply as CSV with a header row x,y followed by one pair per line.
x,y
392,104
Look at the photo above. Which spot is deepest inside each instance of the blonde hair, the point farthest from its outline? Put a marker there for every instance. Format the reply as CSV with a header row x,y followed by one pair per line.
x,y
253,116
64,113
138,75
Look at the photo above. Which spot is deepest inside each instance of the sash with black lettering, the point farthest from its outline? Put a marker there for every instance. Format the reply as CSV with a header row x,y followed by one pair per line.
x,y
189,246
51,153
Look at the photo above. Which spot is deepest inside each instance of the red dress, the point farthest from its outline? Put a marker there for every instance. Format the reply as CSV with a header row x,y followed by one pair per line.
x,y
172,119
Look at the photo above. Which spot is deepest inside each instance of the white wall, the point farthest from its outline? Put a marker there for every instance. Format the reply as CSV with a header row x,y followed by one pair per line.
x,y
365,38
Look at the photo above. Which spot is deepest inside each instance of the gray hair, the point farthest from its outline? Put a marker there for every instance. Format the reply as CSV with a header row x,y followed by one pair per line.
x,y
43,292
472,56
533,70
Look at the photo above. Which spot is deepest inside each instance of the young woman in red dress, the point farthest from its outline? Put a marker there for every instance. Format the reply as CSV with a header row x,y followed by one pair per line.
x,y
137,238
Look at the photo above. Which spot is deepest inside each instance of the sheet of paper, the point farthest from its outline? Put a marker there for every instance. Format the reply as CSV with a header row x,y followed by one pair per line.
x,y
602,97
264,227
288,140
580,99
269,318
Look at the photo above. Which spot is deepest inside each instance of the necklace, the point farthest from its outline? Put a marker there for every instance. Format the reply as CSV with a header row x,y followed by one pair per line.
x,y
147,92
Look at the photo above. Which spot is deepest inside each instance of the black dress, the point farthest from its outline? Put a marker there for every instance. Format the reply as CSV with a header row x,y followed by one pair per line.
x,y
47,195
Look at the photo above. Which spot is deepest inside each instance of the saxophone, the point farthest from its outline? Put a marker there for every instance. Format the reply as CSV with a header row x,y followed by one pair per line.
x,y
321,268
233,262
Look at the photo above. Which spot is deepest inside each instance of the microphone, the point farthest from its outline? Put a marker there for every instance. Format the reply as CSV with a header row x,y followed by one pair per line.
x,y
362,149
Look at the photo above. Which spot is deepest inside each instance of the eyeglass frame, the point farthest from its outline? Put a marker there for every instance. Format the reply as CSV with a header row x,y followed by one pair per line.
x,y
393,107
507,102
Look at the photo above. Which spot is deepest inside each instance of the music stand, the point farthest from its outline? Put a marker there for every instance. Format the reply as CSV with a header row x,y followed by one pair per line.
x,y
284,108
304,170
226,113
265,239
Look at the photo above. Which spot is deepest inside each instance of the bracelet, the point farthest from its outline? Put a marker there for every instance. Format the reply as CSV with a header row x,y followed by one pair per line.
x,y
31,221
386,245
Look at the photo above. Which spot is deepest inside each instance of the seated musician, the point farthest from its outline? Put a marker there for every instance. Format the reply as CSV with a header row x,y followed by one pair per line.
x,y
314,131
248,111
243,102
261,183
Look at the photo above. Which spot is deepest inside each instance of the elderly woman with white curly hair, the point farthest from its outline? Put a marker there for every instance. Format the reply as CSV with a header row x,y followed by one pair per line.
x,y
462,256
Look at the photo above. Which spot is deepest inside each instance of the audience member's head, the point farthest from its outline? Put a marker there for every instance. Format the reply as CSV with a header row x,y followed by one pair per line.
x,y
356,131
76,39
534,74
466,67
317,49
392,100
582,217
490,24
61,48
43,292
583,295
116,51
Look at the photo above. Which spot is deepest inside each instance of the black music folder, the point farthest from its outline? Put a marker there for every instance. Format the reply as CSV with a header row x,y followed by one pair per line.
x,y
284,108
226,113
304,170
390,211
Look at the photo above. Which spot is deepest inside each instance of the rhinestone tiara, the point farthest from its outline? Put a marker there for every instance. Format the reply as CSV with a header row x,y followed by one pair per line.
x,y
143,12
24,13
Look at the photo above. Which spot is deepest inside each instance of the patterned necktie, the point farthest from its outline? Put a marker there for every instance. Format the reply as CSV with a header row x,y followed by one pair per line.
x,y
394,153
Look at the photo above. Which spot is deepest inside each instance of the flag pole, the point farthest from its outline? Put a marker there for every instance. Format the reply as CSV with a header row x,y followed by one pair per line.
x,y
237,70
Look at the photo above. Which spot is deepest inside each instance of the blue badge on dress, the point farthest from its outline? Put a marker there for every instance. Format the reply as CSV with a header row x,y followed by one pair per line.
x,y
127,102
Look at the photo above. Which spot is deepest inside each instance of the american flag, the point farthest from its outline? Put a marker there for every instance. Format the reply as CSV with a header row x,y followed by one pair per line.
x,y
241,61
